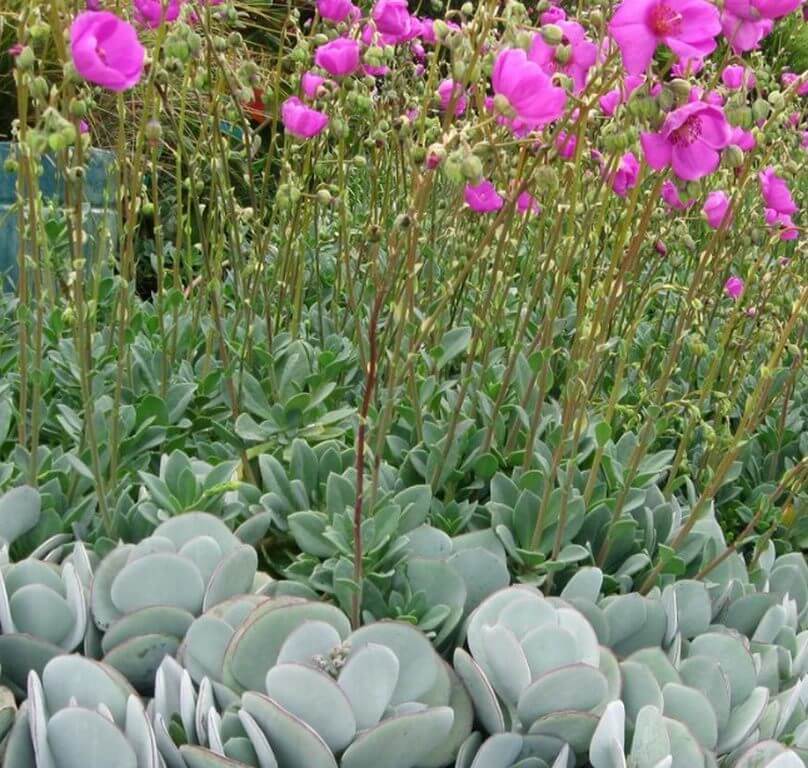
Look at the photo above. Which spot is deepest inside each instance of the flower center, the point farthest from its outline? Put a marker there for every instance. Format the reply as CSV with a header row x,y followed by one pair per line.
x,y
101,53
664,20
687,132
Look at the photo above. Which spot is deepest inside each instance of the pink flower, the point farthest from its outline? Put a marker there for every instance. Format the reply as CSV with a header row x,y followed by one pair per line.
x,y
734,287
566,144
534,100
427,31
582,53
742,139
15,50
689,141
393,19
483,197
447,90
106,50
784,222
711,97
337,10
340,57
93,5
776,193
84,126
300,120
625,176
744,34
553,15
687,67
310,84
789,79
716,208
687,27
526,203
670,194
152,13
736,76
612,99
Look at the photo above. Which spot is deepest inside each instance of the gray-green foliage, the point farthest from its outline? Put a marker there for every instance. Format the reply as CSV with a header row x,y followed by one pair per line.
x,y
145,596
81,714
311,691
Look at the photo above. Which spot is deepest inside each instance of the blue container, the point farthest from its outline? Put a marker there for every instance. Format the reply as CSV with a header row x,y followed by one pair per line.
x,y
100,216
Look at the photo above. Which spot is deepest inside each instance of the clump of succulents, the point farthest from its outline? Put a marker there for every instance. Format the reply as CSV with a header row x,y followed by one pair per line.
x,y
81,714
414,571
43,613
657,742
312,692
536,669
145,596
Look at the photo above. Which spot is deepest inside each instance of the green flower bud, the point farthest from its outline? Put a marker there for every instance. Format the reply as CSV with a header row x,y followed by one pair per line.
x,y
324,197
563,53
552,34
78,108
666,99
681,89
39,88
733,156
40,31
359,161
441,29
502,105
546,179
454,167
153,130
472,168
25,59
760,109
777,100
740,116
467,9
524,40
403,221
11,165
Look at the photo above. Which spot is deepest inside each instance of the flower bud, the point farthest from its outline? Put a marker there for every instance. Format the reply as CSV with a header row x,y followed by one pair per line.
x,y
546,179
25,59
78,108
733,156
39,88
11,165
681,89
760,109
563,53
666,99
440,28
502,105
403,221
552,34
324,197
776,99
453,166
153,130
472,168
524,40
467,9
